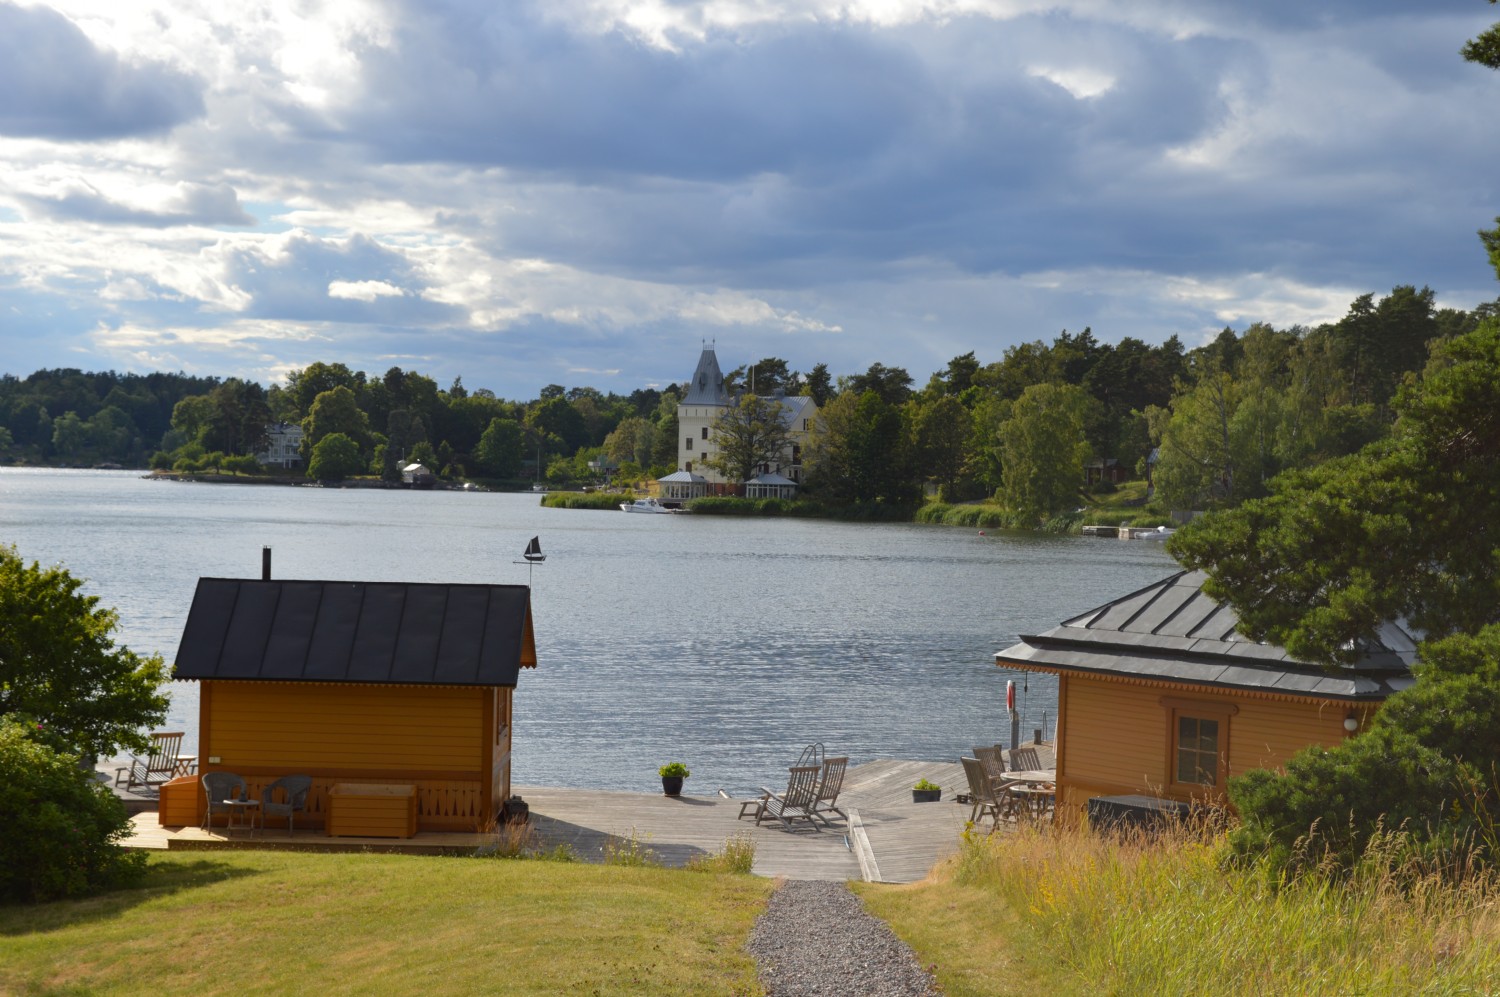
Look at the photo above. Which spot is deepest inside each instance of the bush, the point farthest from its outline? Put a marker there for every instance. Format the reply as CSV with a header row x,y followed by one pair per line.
x,y
61,825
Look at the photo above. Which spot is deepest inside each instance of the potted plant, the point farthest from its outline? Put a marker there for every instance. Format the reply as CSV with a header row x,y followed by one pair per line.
x,y
926,792
672,775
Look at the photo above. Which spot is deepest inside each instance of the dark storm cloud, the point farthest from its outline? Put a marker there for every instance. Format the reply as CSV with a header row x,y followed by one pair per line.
x,y
194,204
316,280
55,83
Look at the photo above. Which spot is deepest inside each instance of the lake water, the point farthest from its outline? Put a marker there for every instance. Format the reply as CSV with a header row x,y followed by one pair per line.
x,y
725,643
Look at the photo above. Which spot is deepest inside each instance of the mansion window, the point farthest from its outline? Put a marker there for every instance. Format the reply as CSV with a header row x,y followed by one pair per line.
x,y
689,443
705,432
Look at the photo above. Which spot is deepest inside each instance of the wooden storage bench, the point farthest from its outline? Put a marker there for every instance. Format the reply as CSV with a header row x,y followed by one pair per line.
x,y
372,810
177,803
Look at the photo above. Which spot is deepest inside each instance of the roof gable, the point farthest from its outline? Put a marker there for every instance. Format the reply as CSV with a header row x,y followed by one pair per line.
x,y
707,385
386,632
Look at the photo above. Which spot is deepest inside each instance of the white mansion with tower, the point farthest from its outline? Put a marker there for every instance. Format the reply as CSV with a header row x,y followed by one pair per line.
x,y
706,400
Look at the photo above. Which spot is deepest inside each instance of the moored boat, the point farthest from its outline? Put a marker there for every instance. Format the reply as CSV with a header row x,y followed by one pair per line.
x,y
644,505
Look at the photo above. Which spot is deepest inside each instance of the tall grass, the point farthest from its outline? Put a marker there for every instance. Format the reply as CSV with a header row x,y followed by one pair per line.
x,y
584,500
1137,914
994,517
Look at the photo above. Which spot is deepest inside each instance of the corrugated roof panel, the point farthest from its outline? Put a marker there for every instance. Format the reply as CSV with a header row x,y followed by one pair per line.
x,y
464,624
1119,614
332,643
1160,610
1218,625
249,629
375,640
291,630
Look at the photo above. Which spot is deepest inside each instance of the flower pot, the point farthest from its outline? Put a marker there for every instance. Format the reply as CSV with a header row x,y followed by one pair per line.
x,y
671,785
926,795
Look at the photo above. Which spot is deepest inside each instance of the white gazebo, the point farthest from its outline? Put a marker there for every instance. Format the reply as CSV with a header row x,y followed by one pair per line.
x,y
770,486
681,485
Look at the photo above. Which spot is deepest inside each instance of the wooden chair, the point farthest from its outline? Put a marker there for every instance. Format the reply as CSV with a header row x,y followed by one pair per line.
x,y
158,765
993,760
1025,758
829,784
797,803
983,793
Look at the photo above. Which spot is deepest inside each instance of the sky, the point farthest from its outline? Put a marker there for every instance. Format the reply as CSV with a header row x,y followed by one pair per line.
x,y
583,192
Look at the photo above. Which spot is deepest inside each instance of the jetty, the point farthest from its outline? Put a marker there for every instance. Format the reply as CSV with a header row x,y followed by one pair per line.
x,y
887,837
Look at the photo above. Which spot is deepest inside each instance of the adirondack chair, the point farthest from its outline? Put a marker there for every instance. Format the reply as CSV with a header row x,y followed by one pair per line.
x,y
829,784
158,765
797,803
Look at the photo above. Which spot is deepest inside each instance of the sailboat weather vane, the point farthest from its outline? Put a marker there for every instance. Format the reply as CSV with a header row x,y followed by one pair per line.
x,y
531,557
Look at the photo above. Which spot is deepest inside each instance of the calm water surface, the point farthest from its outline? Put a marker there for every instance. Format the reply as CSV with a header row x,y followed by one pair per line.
x,y
727,644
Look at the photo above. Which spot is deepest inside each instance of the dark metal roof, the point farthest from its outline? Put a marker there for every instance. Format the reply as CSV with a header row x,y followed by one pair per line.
x,y
1174,631
389,632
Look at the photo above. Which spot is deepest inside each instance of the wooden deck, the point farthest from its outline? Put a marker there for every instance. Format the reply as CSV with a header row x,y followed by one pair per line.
x,y
887,838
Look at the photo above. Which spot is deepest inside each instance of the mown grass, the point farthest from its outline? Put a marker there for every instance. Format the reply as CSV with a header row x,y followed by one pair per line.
x,y
268,922
1065,911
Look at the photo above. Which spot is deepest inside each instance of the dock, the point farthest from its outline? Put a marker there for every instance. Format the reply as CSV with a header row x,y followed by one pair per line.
x,y
887,837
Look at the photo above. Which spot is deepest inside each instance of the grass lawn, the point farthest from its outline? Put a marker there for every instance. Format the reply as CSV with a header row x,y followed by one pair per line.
x,y
266,922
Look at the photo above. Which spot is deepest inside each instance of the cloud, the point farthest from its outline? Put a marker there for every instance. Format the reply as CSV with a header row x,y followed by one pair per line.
x,y
59,85
363,290
182,204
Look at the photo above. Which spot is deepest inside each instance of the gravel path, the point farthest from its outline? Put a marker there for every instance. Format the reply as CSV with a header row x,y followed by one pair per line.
x,y
816,938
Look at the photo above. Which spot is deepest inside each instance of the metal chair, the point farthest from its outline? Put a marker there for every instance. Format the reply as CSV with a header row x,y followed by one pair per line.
x,y
225,792
294,788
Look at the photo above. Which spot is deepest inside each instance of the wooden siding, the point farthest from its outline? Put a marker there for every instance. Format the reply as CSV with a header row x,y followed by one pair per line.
x,y
1114,737
437,738
386,728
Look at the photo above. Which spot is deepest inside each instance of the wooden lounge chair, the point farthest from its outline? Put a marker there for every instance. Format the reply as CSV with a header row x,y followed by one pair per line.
x,y
829,784
797,803
157,766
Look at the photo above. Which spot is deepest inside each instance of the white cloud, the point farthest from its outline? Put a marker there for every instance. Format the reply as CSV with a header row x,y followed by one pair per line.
x,y
363,290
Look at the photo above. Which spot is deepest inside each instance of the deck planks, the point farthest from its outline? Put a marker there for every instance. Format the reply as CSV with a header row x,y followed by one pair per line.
x,y
903,839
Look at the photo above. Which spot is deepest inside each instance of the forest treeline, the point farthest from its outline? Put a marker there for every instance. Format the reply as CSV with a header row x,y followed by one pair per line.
x,y
1220,419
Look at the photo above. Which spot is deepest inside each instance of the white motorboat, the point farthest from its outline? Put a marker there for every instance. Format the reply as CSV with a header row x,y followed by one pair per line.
x,y
644,505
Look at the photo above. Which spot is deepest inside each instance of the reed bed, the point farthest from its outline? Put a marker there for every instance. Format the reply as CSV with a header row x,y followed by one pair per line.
x,y
1083,912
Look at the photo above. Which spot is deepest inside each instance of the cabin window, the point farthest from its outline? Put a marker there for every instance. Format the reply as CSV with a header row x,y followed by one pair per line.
x,y
1197,760
689,443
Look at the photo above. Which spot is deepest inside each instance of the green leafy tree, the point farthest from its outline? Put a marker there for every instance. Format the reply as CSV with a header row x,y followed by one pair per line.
x,y
500,448
336,411
60,667
859,451
304,386
334,458
237,418
62,826
1045,449
748,434
941,431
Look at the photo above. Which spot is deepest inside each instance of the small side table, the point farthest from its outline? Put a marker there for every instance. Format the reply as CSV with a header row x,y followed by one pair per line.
x,y
186,765
242,814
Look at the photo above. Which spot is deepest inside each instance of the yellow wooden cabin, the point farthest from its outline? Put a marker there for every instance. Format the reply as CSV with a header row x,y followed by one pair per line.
x,y
1159,695
361,683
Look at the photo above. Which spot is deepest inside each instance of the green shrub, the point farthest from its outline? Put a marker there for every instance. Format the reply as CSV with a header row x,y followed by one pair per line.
x,y
584,500
61,824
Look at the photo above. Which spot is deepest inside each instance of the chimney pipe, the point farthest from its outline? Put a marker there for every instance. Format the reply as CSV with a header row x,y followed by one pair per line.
x,y
265,564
